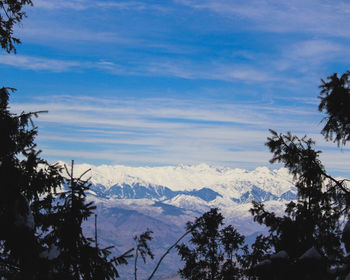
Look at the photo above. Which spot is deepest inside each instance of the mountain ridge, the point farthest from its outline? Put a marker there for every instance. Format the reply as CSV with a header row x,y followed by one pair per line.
x,y
227,182
131,199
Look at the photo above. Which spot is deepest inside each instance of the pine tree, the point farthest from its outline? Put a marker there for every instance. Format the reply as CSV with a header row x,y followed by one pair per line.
x,y
335,101
74,256
213,252
310,232
313,221
41,233
26,190
11,13
142,248
22,182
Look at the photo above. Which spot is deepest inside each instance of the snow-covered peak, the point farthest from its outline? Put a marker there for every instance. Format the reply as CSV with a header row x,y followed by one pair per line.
x,y
224,180
189,202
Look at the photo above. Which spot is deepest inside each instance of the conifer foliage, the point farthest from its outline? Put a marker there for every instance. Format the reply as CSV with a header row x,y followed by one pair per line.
x,y
11,13
23,185
335,102
41,211
213,253
306,243
73,255
142,248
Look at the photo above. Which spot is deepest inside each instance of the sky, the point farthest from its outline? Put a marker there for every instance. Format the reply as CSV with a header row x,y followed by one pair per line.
x,y
177,81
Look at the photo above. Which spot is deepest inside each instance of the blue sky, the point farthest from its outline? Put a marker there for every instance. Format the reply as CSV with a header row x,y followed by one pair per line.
x,y
178,81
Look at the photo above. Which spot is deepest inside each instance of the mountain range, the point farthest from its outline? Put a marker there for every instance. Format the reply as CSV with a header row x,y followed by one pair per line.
x,y
131,200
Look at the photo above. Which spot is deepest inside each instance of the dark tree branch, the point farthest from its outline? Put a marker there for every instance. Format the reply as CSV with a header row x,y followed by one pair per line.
x,y
167,252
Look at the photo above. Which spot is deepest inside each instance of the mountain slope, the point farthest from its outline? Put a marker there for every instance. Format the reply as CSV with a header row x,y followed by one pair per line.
x,y
204,181
131,200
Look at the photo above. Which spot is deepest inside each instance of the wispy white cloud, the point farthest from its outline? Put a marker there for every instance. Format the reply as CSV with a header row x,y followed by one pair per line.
x,y
133,5
90,4
212,71
38,63
169,131
319,20
306,56
249,159
261,66
176,68
56,65
155,110
56,32
159,131
59,4
143,39
334,161
185,69
315,16
320,49
150,141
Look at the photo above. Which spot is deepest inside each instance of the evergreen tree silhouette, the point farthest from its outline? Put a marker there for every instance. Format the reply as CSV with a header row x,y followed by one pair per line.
x,y
142,248
41,224
213,252
335,102
73,255
310,234
25,193
11,13
41,233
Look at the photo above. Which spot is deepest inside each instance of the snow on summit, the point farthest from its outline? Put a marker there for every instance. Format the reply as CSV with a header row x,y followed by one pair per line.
x,y
231,181
131,199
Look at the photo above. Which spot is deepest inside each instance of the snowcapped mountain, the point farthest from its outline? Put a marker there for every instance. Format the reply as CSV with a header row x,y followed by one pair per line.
x,y
131,199
202,181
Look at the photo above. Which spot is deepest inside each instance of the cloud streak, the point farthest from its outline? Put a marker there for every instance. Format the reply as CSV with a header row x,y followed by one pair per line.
x,y
315,16
81,5
180,69
38,63
231,70
154,110
160,130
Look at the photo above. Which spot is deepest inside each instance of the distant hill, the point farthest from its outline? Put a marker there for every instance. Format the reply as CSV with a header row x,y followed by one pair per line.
x,y
163,199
